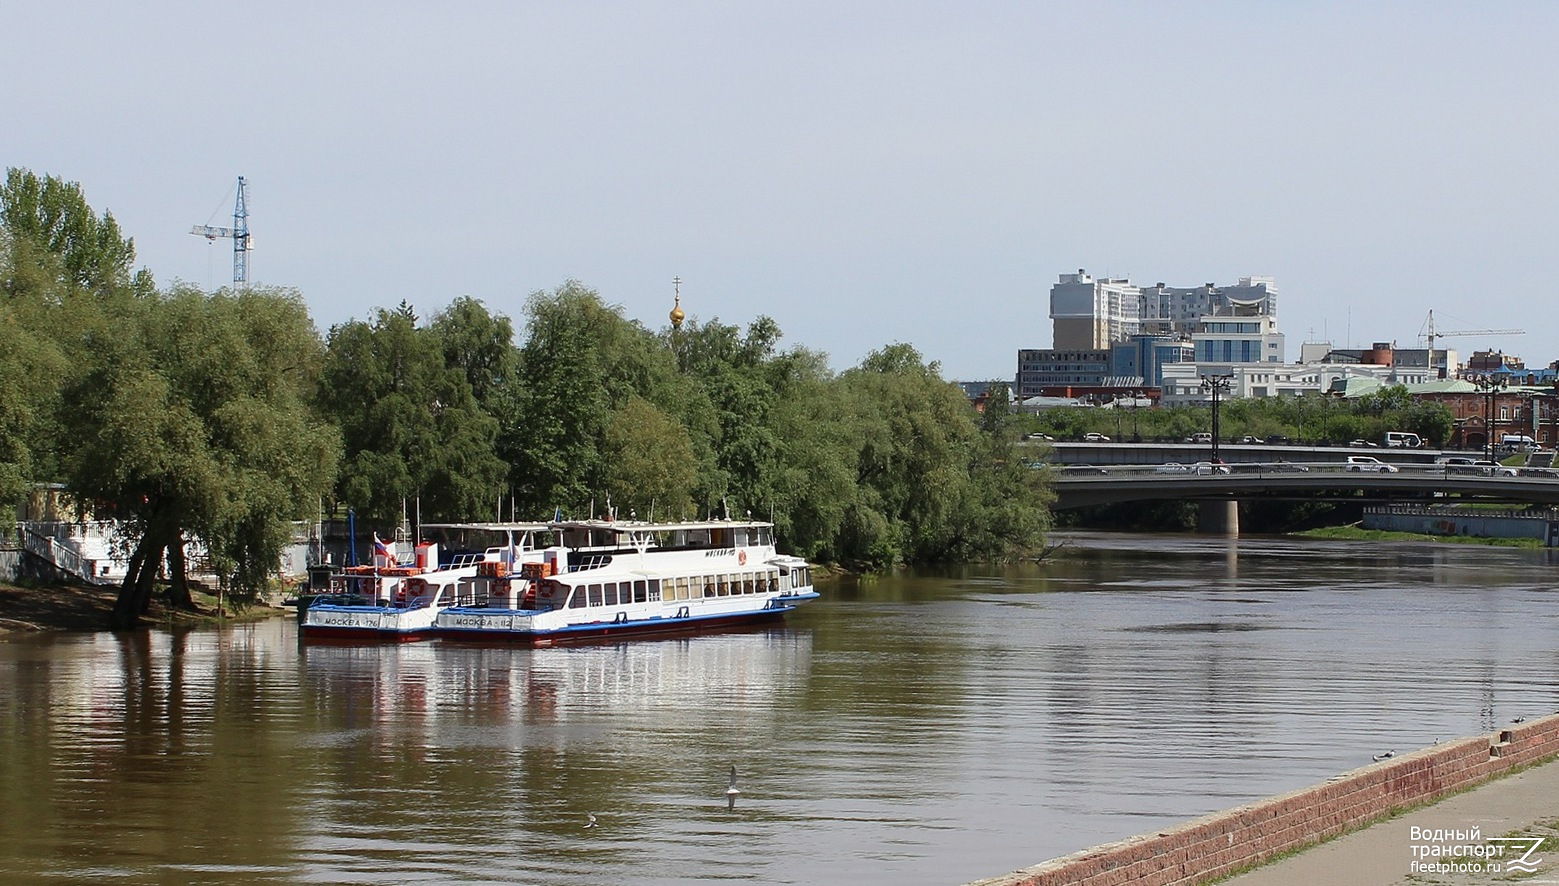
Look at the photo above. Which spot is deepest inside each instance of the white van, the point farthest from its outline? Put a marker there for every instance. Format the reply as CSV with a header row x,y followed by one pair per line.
x,y
1516,441
1403,440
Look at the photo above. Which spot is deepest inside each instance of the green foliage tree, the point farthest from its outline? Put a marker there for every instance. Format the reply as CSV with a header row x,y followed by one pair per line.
x,y
928,479
580,363
194,424
49,219
650,469
411,425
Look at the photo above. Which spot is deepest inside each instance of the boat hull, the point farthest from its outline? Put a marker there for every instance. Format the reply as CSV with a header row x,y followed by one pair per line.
x,y
364,635
367,624
475,626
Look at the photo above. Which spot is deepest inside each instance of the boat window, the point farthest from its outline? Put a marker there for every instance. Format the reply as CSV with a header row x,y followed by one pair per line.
x,y
773,581
595,595
610,595
709,585
640,591
739,537
654,584
577,601
763,535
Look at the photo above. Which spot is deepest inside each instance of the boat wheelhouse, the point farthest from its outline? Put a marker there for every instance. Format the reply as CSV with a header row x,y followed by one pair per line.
x,y
395,599
607,579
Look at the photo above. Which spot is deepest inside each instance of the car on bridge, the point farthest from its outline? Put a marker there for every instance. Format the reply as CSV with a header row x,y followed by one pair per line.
x,y
1095,437
1369,463
1481,466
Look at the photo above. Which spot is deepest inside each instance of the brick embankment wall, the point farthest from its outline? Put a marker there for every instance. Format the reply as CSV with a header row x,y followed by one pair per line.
x,y
1223,843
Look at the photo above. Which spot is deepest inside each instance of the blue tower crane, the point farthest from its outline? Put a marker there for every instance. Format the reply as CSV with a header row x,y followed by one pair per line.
x,y
242,242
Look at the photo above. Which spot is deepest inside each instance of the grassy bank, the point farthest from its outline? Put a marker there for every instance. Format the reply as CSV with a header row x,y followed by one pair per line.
x,y
66,607
1354,533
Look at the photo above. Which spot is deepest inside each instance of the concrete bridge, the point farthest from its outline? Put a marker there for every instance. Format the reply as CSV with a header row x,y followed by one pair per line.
x,y
1078,487
1083,475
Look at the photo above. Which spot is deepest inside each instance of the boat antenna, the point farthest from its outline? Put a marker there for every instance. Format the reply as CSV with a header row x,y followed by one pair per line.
x,y
652,509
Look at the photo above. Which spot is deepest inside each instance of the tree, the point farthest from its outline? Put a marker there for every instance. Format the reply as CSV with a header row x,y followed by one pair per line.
x,y
650,467
932,488
194,424
411,425
580,363
49,218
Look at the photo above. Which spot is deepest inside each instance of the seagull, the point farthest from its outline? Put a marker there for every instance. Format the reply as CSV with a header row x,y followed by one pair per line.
x,y
732,791
590,816
1519,720
1378,757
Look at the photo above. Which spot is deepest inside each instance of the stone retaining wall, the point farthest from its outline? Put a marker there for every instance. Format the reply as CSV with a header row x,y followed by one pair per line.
x,y
1224,843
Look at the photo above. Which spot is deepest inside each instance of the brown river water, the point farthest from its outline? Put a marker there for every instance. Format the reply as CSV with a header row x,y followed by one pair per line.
x,y
927,727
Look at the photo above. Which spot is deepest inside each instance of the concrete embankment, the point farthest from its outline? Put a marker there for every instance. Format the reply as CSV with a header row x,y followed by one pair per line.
x,y
1217,845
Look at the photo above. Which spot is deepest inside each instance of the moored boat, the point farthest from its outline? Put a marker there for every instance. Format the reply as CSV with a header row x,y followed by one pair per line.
x,y
398,600
605,579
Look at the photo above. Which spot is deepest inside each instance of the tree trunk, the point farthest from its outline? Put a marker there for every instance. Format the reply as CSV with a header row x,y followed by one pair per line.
x,y
178,587
130,605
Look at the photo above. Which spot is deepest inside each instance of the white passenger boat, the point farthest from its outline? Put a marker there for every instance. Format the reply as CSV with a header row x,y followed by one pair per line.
x,y
606,579
398,600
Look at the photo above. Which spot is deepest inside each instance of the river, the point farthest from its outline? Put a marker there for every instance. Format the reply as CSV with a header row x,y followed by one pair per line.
x,y
927,728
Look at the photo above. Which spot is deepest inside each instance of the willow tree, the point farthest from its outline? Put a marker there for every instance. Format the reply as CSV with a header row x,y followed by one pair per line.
x,y
933,485
194,424
581,362
412,428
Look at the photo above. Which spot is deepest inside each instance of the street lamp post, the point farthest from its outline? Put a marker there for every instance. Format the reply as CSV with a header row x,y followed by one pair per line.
x,y
1216,384
1489,386
1136,401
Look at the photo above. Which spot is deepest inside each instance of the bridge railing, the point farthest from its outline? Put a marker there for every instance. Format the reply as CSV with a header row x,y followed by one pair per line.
x,y
1176,469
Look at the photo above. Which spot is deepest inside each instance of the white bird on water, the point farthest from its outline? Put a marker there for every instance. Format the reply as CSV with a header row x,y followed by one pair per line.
x,y
732,791
1378,757
590,819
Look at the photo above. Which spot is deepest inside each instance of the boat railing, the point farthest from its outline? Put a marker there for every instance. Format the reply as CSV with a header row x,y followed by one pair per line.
x,y
593,561
465,561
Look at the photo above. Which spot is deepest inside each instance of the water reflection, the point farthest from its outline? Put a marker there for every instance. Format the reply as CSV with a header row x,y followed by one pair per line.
x,y
923,728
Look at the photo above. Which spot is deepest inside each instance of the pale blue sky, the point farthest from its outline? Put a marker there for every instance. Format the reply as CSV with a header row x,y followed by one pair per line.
x,y
864,173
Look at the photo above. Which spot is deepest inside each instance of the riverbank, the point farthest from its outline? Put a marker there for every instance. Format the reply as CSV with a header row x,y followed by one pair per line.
x,y
64,607
1353,532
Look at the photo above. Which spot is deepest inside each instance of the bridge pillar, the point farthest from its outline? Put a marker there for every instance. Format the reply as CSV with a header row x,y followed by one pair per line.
x,y
1218,517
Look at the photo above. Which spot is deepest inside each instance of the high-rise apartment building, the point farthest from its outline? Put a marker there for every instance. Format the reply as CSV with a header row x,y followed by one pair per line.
x,y
1109,330
1088,313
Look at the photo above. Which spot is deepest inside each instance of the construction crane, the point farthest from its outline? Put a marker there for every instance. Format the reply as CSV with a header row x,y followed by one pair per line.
x,y
1432,335
242,242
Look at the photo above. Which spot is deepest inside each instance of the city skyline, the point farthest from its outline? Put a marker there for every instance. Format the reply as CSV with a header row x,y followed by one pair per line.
x,y
864,175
